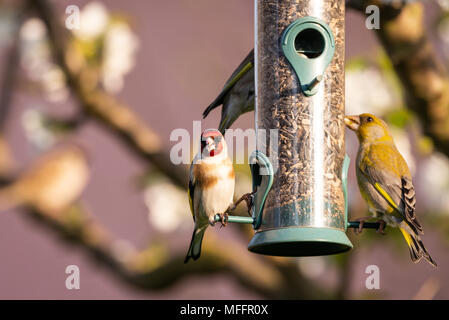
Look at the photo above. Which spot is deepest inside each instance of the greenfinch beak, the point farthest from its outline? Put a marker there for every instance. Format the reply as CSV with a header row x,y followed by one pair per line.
x,y
352,122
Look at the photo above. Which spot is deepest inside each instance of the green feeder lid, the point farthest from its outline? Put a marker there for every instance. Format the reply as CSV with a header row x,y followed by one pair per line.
x,y
300,241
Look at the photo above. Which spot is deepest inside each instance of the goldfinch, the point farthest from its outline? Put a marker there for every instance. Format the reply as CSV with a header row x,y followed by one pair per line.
x,y
385,181
51,184
237,96
211,187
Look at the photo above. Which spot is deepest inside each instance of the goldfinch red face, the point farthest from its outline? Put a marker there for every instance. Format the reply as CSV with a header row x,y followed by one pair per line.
x,y
211,143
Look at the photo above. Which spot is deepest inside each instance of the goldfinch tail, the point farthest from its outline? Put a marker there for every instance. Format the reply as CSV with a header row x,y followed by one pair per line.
x,y
416,246
195,245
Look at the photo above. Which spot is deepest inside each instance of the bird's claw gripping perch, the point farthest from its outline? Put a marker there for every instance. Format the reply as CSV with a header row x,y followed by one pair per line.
x,y
359,229
381,228
249,200
223,219
359,224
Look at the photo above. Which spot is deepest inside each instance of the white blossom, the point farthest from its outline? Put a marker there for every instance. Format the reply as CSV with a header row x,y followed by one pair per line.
x,y
36,60
368,91
93,21
120,45
168,207
35,130
35,52
33,30
435,182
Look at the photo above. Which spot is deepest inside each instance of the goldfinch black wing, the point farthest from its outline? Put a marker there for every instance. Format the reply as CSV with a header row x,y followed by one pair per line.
x,y
191,191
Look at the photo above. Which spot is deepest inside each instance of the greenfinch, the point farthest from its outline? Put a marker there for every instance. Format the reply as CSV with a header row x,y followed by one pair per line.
x,y
211,187
385,181
238,93
237,96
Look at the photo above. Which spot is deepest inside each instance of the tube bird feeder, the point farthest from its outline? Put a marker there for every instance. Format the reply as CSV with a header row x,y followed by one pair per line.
x,y
299,71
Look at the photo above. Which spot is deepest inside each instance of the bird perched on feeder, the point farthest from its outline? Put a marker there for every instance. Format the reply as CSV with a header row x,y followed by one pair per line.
x,y
211,187
237,96
385,182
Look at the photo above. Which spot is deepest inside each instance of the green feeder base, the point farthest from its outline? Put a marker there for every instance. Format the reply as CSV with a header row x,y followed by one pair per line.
x,y
300,242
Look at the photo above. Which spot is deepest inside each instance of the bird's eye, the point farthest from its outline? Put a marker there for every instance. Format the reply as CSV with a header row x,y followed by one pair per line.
x,y
369,119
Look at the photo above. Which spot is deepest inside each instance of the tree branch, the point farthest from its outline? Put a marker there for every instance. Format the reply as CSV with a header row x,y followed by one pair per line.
x,y
153,268
424,77
115,116
11,68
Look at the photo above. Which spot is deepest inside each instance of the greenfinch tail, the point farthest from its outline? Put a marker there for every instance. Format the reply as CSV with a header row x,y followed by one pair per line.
x,y
416,246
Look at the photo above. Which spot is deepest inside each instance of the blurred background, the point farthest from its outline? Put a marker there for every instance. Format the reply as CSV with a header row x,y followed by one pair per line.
x,y
86,117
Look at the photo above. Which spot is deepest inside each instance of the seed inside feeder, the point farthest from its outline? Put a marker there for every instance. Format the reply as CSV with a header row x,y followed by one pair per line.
x,y
283,106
